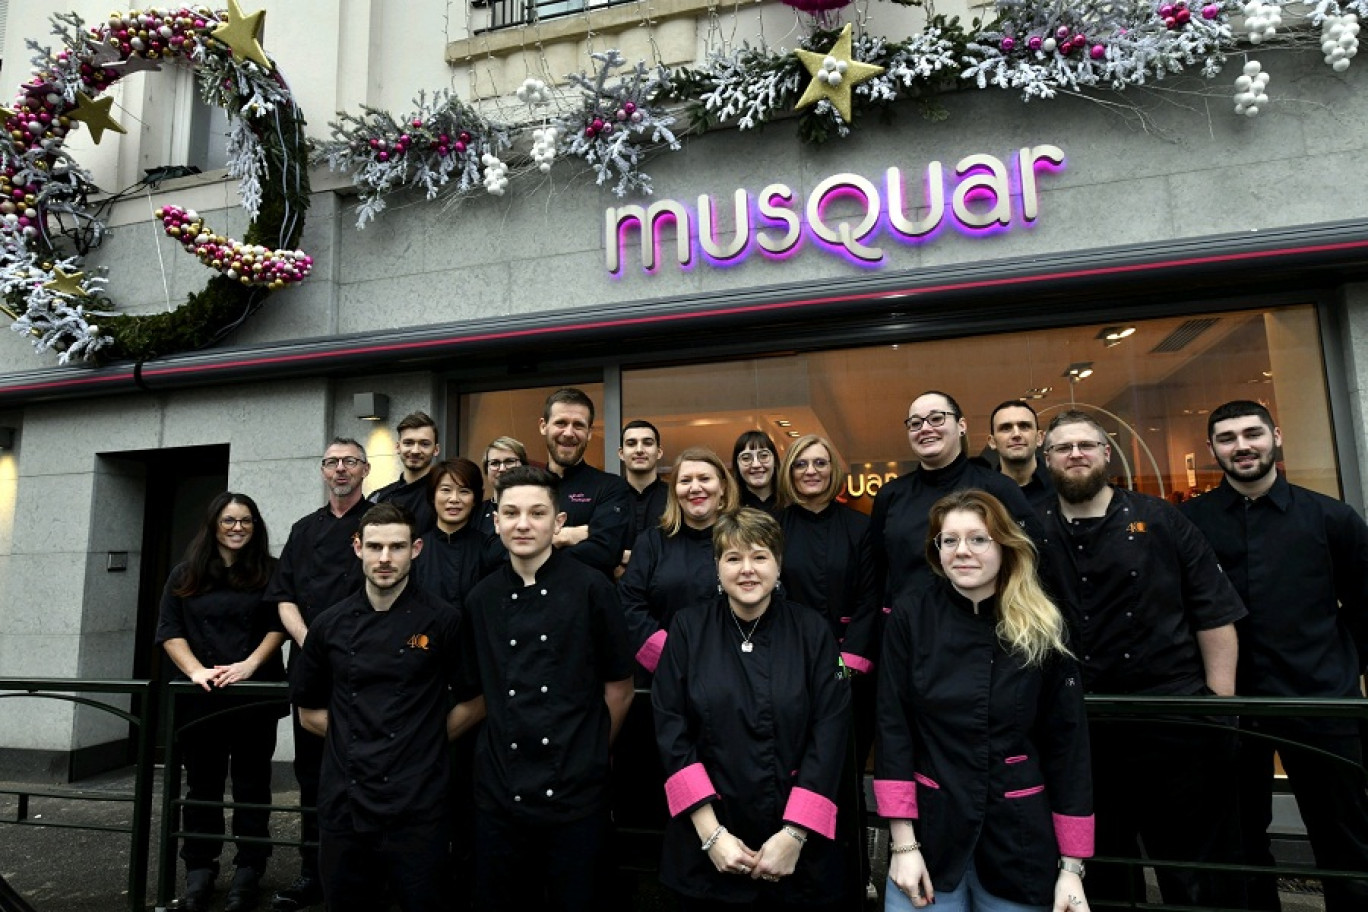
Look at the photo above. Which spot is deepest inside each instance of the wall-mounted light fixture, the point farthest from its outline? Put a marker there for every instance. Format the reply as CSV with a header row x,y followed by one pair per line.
x,y
371,406
6,438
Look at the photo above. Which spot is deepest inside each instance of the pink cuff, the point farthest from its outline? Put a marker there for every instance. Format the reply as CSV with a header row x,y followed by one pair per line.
x,y
649,654
688,787
895,799
1074,835
811,811
856,663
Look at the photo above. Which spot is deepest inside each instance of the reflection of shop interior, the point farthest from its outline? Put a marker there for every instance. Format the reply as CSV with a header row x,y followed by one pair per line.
x,y
1152,390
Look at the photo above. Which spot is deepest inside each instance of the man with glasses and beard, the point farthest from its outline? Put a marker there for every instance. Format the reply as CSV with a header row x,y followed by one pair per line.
x,y
377,678
1299,560
316,571
1149,613
597,506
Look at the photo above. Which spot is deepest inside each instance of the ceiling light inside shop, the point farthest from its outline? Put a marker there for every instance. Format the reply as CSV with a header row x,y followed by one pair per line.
x,y
1079,370
1113,335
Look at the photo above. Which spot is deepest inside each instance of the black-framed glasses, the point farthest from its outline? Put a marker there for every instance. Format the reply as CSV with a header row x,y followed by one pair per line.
x,y
1086,447
332,462
933,419
977,544
802,465
229,522
502,464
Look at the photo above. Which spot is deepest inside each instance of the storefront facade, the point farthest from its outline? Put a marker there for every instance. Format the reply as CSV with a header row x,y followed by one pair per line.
x,y
817,289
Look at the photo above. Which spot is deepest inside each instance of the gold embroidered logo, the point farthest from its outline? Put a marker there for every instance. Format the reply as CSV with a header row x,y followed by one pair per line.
x,y
1135,527
418,641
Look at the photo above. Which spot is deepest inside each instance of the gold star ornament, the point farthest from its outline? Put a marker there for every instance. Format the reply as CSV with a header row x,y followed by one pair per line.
x,y
95,115
67,284
834,74
242,33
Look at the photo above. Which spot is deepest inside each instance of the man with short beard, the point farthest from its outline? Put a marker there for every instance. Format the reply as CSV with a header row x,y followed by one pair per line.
x,y
1149,612
1299,560
597,506
317,570
1014,435
377,679
417,449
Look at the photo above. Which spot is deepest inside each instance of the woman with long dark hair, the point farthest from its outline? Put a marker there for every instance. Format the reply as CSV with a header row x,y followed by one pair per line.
x,y
218,630
754,459
982,766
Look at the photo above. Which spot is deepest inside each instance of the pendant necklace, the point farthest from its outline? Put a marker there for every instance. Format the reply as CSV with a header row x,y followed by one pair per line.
x,y
746,644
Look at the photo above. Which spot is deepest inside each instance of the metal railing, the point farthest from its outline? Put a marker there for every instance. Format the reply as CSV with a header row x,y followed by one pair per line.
x,y
139,827
252,695
145,730
513,13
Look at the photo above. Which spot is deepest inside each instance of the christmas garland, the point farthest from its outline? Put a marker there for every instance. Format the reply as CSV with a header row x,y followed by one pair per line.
x,y
45,292
1039,47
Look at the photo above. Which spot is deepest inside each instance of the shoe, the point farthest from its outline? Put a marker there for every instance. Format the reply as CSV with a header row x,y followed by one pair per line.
x,y
243,892
304,892
871,891
199,886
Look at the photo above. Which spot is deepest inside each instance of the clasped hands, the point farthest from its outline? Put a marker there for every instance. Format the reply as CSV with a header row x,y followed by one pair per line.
x,y
775,859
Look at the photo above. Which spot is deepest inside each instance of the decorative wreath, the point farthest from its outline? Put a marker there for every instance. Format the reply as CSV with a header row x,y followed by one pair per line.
x,y
47,223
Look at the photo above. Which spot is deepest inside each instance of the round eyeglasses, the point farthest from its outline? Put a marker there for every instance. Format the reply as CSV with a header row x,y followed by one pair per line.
x,y
760,456
977,544
332,462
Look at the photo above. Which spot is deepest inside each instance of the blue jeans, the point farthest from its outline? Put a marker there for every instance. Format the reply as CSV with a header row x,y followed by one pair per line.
x,y
969,896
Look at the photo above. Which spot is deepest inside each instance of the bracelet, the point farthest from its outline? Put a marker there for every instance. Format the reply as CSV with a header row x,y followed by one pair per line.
x,y
796,833
912,846
712,840
1073,867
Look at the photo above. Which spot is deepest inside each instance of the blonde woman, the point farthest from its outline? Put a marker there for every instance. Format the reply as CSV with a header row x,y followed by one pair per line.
x,y
672,564
982,764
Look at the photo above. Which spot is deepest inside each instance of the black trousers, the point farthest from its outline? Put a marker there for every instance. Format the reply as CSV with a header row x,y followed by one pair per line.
x,y
239,743
406,863
308,763
1165,790
1331,796
552,866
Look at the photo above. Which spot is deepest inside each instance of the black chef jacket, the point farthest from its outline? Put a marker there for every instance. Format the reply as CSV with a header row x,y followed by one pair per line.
x,y
487,511
1040,490
898,522
763,735
667,573
591,497
450,565
829,566
415,497
989,755
221,627
1137,584
386,679
1299,560
318,567
545,653
750,499
648,505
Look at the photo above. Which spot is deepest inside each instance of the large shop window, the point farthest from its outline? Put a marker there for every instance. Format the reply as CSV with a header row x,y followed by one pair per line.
x,y
517,413
1151,384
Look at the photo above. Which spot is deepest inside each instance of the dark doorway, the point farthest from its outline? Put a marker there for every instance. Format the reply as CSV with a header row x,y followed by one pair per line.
x,y
180,482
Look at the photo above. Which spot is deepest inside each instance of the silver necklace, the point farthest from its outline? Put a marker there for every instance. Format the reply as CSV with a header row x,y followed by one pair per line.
x,y
746,644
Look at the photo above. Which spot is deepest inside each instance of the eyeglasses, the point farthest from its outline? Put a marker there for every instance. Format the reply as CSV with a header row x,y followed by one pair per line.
x,y
977,543
932,419
802,465
763,457
512,463
332,462
229,522
1086,447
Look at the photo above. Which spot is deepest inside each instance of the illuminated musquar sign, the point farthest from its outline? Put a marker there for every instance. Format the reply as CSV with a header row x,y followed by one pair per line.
x,y
776,221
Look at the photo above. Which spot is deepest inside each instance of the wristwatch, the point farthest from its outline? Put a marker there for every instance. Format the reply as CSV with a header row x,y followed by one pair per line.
x,y
1073,867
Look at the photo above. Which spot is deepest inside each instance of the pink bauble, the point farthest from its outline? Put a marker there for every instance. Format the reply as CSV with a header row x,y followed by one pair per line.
x,y
1007,44
1170,22
815,7
1097,52
383,156
629,107
460,147
597,124
1062,33
1184,16
1166,11
1033,42
1211,11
